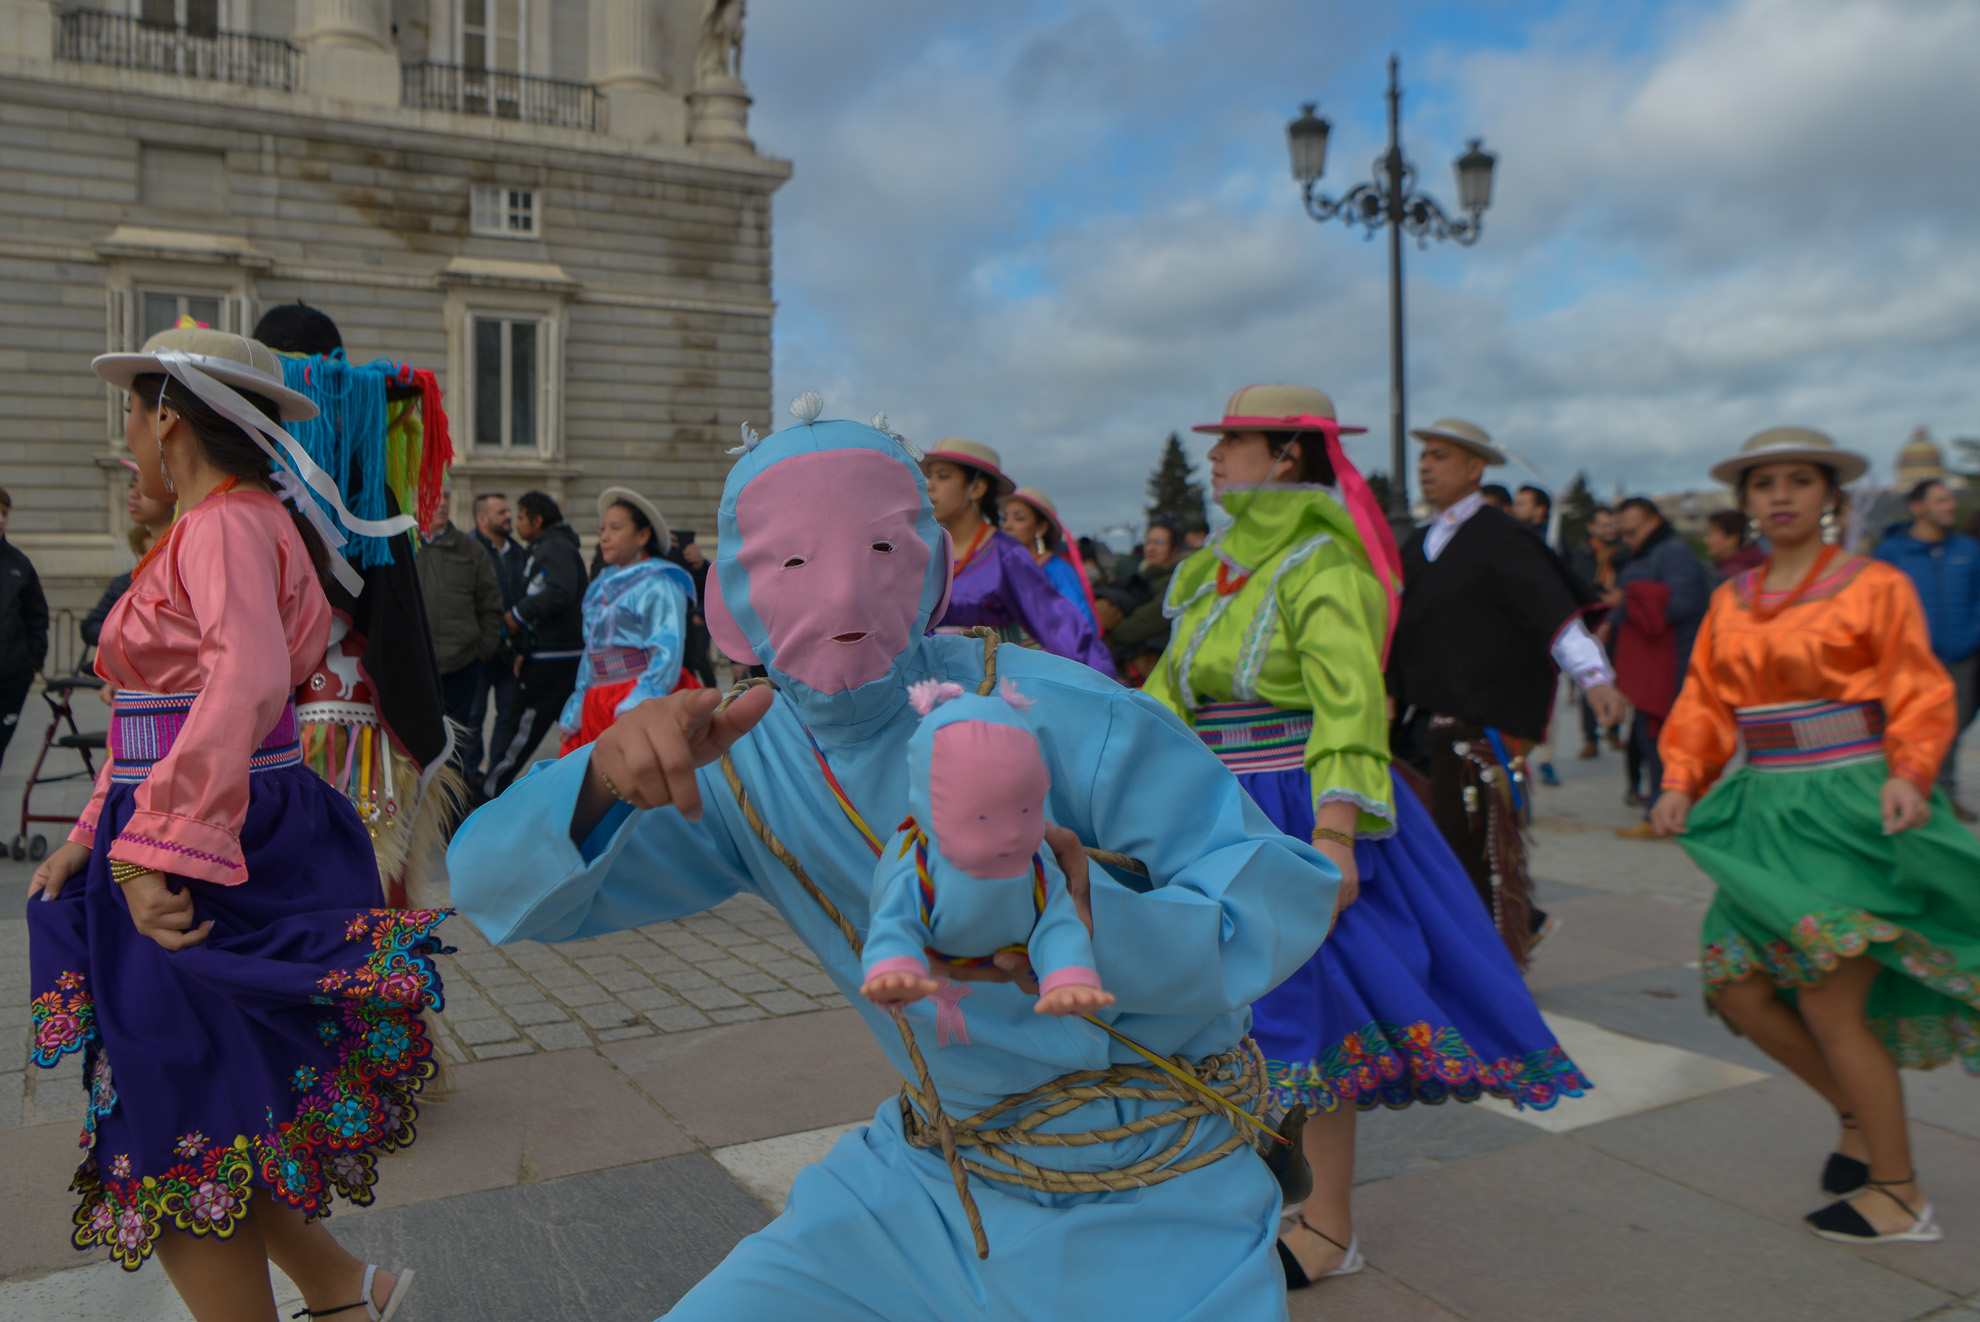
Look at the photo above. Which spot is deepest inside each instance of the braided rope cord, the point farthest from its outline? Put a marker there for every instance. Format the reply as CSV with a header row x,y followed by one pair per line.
x,y
1231,1083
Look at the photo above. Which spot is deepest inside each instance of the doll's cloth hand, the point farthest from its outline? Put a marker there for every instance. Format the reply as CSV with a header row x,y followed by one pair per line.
x,y
892,991
1073,999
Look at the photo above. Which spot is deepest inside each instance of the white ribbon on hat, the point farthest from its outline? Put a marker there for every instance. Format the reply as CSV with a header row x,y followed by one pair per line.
x,y
231,405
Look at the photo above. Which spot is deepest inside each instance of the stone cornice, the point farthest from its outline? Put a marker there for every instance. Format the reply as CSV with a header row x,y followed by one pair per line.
x,y
134,242
165,98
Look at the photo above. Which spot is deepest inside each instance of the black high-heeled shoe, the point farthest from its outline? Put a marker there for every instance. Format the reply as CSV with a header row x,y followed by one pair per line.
x,y
1845,1177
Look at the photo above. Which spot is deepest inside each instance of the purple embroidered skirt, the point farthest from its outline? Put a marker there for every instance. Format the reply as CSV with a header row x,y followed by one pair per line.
x,y
276,1058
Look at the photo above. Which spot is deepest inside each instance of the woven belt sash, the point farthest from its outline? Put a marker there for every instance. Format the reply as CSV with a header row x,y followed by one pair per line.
x,y
1795,736
144,726
609,665
1254,736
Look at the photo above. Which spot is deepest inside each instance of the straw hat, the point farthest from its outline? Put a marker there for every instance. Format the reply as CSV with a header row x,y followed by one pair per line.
x,y
1276,408
1467,434
973,454
662,535
1788,444
1041,502
235,359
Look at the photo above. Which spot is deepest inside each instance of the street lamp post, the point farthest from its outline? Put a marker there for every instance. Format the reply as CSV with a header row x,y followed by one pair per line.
x,y
1391,200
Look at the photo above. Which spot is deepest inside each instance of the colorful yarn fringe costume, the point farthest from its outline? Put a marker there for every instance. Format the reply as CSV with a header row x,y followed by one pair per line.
x,y
373,724
1129,1200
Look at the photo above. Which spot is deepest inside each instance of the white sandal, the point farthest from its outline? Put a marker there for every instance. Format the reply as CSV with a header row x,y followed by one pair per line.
x,y
400,1285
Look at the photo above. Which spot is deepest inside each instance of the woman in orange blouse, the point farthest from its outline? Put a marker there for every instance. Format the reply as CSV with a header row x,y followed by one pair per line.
x,y
1845,936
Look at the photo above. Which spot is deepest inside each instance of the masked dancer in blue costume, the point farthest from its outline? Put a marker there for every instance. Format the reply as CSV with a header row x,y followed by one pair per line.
x,y
831,567
1275,660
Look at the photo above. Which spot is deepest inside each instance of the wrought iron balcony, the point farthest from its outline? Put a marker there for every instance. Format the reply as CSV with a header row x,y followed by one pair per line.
x,y
88,36
502,95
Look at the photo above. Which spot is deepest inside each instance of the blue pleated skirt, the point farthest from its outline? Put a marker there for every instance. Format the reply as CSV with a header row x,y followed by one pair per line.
x,y
275,1059
1412,997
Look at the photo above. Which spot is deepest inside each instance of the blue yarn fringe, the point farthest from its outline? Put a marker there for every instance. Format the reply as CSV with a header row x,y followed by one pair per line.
x,y
347,438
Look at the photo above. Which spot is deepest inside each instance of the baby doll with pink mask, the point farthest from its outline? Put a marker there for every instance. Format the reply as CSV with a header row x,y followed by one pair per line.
x,y
968,874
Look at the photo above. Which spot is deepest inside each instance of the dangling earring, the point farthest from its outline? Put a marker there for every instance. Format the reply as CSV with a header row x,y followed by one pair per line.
x,y
1752,530
158,435
1831,527
1038,543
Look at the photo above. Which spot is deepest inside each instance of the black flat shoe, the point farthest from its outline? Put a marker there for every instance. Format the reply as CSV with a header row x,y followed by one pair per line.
x,y
1296,1277
1844,1177
1844,1224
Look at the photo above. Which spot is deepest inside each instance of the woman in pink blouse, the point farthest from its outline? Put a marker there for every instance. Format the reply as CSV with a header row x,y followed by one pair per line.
x,y
212,936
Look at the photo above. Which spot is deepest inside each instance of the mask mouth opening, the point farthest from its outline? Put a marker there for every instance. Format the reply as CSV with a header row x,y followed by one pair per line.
x,y
850,638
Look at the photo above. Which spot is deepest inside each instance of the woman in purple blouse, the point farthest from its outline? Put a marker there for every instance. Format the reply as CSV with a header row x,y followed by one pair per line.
x,y
997,583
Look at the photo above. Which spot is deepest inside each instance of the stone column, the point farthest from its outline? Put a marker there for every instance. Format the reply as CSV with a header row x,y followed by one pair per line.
x,y
718,114
628,66
348,53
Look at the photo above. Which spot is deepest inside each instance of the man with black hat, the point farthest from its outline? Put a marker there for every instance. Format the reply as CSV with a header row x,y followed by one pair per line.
x,y
1488,613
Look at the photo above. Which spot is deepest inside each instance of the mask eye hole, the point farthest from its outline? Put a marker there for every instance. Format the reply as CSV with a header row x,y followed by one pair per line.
x,y
884,548
794,562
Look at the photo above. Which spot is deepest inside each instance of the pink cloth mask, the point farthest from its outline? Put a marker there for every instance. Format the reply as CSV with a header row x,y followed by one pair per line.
x,y
986,793
835,567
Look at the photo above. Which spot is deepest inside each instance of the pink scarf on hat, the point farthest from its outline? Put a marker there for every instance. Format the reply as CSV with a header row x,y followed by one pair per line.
x,y
1369,520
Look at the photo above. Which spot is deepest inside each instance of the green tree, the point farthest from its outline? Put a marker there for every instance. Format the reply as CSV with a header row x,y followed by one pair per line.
x,y
1576,505
1378,487
1173,492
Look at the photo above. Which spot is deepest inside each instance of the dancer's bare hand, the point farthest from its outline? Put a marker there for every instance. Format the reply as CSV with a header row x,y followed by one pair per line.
x,y
896,990
164,915
1668,814
1905,806
1342,857
1015,965
68,859
1608,705
652,752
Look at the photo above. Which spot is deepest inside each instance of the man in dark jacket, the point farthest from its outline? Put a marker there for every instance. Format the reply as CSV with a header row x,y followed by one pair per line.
x,y
1667,619
464,611
494,529
1594,561
23,628
1945,567
547,624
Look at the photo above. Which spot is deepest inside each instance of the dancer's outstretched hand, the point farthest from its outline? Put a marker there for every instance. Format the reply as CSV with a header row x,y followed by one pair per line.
x,y
68,860
651,753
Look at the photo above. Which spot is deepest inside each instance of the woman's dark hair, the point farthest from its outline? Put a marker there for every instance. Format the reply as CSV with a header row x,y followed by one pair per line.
x,y
986,505
230,449
1730,522
640,524
1314,466
541,506
1051,529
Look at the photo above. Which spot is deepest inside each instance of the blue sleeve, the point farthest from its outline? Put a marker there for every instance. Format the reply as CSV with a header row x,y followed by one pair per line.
x,y
897,931
662,613
1233,906
519,877
1060,939
1066,579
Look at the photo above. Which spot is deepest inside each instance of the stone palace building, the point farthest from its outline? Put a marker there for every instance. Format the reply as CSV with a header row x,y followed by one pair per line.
x,y
555,204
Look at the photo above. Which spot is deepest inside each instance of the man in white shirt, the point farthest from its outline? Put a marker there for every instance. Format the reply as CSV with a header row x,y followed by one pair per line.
x,y
1488,613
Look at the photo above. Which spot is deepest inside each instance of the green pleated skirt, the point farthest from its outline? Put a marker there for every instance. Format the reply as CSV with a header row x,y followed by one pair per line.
x,y
1806,878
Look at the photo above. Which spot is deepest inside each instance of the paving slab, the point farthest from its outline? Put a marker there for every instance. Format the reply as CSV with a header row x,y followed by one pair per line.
x,y
1663,1004
1629,1074
614,1246
36,1164
1369,1295
1564,960
1665,930
1422,1137
769,1166
1556,1230
1762,1149
1948,1097
527,1118
736,1084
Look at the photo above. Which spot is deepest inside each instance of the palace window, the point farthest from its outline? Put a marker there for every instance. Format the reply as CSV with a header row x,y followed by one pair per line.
x,y
504,213
509,355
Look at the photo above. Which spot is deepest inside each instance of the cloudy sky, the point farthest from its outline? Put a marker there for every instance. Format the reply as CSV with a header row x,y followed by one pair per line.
x,y
1067,227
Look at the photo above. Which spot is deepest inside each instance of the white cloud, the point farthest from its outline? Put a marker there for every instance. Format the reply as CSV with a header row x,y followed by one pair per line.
x,y
1066,228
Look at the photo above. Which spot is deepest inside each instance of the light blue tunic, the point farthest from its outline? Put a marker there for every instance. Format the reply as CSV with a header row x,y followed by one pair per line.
x,y
642,605
1231,906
